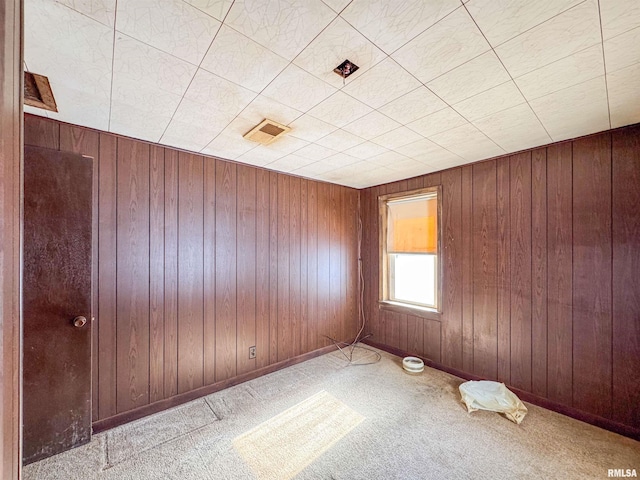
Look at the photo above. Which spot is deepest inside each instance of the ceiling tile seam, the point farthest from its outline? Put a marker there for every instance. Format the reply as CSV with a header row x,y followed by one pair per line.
x,y
530,28
512,79
113,62
89,17
340,12
207,13
408,41
604,63
191,81
618,34
275,77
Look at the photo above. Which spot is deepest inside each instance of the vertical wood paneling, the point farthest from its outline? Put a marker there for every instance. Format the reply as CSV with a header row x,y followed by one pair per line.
x,y
452,256
351,265
209,328
284,312
626,265
190,272
295,314
171,169
559,277
520,206
262,268
107,282
273,267
415,335
246,283
312,265
132,275
225,270
324,259
156,274
485,295
539,271
335,261
592,274
467,268
302,338
87,142
503,198
41,132
432,340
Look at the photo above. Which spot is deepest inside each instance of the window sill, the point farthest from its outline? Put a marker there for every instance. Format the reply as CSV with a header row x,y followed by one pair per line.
x,y
416,311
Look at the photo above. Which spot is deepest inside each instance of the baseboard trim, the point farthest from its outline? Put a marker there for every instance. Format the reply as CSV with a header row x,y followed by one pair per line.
x,y
574,413
156,407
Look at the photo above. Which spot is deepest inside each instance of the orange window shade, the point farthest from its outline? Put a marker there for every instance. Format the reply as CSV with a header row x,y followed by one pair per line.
x,y
412,226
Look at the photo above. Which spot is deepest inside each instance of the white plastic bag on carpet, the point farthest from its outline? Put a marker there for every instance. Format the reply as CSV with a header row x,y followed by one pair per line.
x,y
492,396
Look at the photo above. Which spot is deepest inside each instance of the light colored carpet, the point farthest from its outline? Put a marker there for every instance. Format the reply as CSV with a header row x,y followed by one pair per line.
x,y
395,426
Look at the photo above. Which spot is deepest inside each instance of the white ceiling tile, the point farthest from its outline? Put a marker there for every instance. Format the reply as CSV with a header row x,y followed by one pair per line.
x,y
286,27
187,136
230,144
413,105
409,166
491,101
340,140
427,152
262,107
298,89
371,125
624,96
103,11
143,123
619,16
340,109
503,20
440,121
286,145
623,50
392,24
574,111
170,25
313,170
451,42
75,53
516,128
475,76
561,36
337,5
381,84
365,150
212,97
218,9
338,42
468,142
568,71
347,174
260,156
340,159
289,163
396,138
315,152
310,128
241,60
148,86
387,159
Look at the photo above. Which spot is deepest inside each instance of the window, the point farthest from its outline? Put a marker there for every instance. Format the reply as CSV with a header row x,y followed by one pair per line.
x,y
409,249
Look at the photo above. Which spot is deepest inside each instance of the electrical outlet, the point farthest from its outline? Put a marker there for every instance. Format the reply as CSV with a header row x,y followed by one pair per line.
x,y
252,352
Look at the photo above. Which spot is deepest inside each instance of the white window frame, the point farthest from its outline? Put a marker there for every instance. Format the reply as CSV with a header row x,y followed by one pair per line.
x,y
386,297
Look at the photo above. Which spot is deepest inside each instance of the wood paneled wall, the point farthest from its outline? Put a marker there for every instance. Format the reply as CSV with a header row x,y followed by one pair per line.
x,y
10,200
197,259
541,265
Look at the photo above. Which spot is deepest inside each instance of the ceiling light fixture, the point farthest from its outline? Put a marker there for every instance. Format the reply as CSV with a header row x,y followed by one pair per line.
x,y
346,68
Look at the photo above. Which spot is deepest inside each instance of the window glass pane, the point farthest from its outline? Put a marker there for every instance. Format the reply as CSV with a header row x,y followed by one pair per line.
x,y
414,278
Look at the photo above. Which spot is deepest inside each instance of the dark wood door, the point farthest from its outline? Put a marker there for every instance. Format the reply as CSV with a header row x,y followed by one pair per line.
x,y
56,291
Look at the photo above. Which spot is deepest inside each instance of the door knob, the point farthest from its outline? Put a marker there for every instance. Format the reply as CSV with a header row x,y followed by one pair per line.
x,y
79,321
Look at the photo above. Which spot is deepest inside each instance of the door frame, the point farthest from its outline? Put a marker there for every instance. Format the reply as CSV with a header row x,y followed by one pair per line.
x,y
11,144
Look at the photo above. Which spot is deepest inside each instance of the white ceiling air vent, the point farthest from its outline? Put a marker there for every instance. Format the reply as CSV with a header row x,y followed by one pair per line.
x,y
266,132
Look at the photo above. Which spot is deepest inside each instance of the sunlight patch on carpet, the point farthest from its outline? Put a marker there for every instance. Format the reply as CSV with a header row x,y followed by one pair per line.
x,y
284,445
